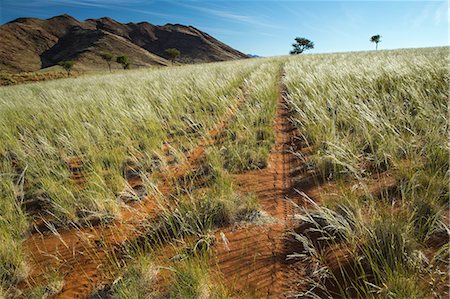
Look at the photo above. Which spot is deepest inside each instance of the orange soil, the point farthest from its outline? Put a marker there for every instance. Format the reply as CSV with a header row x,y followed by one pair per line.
x,y
253,261
83,255
20,78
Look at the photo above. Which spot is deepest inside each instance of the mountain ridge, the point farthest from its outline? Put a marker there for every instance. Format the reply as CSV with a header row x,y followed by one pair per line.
x,y
31,44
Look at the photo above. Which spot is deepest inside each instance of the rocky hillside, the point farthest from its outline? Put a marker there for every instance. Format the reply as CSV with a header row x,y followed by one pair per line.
x,y
29,44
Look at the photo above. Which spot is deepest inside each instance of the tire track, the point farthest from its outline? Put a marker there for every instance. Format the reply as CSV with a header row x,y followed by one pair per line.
x,y
254,258
254,262
83,256
261,268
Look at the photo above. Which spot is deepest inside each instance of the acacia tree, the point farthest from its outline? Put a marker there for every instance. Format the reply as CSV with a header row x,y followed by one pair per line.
x,y
301,44
376,39
108,57
173,53
67,65
123,60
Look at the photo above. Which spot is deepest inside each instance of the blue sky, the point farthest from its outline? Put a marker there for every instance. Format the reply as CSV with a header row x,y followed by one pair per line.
x,y
268,28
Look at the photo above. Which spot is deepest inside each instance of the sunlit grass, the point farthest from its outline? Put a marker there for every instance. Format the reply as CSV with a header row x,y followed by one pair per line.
x,y
98,125
364,114
369,114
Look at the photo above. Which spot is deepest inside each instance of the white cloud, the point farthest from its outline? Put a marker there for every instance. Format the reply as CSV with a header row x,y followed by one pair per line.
x,y
436,13
73,3
37,7
231,16
441,13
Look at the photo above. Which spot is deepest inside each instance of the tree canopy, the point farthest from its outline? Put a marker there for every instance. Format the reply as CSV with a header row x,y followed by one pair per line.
x,y
301,44
173,53
67,65
376,39
123,60
108,57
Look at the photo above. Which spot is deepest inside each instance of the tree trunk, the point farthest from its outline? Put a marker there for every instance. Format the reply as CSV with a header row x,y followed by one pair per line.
x,y
376,46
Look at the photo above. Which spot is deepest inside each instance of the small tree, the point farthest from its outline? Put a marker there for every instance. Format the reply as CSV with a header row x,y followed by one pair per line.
x,y
173,53
123,60
376,39
108,57
301,44
67,65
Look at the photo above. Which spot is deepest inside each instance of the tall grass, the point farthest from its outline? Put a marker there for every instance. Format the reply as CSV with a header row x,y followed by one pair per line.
x,y
367,114
195,211
364,114
185,228
13,222
103,123
106,120
248,140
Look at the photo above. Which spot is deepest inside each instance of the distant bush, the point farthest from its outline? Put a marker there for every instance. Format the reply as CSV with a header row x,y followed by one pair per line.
x,y
301,44
108,57
173,53
123,60
376,39
67,65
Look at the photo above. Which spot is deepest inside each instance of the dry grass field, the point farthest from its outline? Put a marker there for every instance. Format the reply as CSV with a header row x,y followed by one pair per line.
x,y
322,176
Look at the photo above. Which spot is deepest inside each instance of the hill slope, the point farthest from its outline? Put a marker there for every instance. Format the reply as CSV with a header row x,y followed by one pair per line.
x,y
30,44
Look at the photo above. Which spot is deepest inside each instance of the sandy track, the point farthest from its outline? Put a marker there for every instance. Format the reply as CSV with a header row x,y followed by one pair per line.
x,y
254,260
83,256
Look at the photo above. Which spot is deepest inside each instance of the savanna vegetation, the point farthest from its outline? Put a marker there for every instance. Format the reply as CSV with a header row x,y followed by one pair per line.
x,y
372,115
364,117
127,119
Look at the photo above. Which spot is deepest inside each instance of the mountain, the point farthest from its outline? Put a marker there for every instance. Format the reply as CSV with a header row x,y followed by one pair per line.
x,y
29,44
